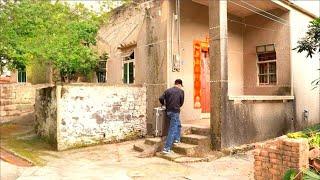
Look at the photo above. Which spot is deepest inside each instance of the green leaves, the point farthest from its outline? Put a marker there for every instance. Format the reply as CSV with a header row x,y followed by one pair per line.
x,y
32,30
311,42
290,174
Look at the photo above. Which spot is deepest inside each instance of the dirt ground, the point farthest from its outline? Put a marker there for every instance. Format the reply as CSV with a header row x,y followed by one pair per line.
x,y
109,161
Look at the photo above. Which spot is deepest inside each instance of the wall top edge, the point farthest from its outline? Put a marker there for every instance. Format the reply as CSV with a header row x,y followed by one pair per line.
x,y
260,98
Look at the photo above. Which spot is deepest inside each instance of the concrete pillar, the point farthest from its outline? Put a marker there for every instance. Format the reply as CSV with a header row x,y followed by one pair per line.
x,y
218,68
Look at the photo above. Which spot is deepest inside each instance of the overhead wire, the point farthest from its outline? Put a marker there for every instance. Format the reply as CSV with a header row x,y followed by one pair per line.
x,y
258,13
264,11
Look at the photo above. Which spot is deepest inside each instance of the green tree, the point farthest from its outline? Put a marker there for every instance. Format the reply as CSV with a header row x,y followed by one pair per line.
x,y
39,30
311,43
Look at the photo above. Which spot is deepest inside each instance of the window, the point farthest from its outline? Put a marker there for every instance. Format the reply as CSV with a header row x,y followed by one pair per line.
x,y
267,66
128,68
22,76
102,68
102,72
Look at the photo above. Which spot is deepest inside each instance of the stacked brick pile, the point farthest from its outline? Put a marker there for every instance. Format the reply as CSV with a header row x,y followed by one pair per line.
x,y
273,158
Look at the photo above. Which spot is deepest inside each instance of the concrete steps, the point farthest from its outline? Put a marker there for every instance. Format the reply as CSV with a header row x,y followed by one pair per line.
x,y
195,139
200,131
194,146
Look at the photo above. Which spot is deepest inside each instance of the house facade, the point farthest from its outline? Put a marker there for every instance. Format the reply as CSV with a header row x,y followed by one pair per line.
x,y
234,57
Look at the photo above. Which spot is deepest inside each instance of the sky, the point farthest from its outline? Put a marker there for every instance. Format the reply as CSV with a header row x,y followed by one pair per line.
x,y
312,6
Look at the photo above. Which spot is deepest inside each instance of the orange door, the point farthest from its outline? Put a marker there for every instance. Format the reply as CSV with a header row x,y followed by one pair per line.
x,y
205,83
201,76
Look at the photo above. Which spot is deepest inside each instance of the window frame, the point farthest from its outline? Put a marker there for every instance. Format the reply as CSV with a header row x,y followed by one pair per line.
x,y
101,70
18,74
267,62
126,60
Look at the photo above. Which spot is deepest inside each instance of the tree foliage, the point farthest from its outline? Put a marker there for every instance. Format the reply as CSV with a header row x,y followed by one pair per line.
x,y
311,43
39,30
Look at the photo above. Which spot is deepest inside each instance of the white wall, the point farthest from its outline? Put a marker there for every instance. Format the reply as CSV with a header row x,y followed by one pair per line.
x,y
304,72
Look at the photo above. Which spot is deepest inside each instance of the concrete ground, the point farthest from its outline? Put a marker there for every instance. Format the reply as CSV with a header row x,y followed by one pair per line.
x,y
119,161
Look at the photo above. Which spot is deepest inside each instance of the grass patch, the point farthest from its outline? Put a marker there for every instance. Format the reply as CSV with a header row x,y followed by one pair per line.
x,y
21,141
312,134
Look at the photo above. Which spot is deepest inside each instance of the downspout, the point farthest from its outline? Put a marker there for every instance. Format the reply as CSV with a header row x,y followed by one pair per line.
x,y
178,28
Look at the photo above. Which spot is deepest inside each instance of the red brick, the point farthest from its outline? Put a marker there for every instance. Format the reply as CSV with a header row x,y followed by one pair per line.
x,y
295,149
275,161
257,163
294,160
286,148
265,159
275,156
264,153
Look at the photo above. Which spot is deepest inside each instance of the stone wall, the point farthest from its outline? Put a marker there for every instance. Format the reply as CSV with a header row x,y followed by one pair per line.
x,y
17,100
87,114
272,159
46,114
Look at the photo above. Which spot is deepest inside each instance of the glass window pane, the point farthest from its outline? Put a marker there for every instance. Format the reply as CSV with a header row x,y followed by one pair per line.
x,y
263,68
131,72
267,56
260,49
272,67
270,48
22,76
263,79
273,79
125,73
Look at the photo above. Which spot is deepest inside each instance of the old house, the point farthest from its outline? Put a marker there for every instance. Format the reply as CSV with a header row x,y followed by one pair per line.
x,y
235,58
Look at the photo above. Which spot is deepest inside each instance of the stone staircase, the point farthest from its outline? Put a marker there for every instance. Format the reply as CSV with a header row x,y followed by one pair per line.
x,y
194,147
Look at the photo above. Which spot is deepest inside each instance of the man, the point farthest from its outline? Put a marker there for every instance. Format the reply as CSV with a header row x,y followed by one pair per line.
x,y
173,99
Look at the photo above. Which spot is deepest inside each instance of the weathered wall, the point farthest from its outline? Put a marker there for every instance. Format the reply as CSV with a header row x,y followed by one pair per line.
x,y
16,100
273,158
45,116
84,114
126,26
145,24
252,121
194,26
269,32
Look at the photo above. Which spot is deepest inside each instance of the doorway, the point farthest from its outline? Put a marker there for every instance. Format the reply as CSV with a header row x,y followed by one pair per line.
x,y
202,77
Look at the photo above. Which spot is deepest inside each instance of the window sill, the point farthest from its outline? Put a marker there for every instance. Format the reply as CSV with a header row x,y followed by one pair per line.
x,y
260,98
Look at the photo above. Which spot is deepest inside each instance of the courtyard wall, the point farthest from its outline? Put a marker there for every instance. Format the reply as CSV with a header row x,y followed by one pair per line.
x,y
17,101
86,114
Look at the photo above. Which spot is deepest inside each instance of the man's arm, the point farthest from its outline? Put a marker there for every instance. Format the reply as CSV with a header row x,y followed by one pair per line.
x,y
162,98
182,98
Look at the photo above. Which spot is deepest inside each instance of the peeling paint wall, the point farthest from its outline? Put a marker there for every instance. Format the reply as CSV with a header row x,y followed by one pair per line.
x,y
87,114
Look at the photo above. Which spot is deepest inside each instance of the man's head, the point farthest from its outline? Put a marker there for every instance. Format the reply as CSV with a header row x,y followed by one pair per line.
x,y
178,83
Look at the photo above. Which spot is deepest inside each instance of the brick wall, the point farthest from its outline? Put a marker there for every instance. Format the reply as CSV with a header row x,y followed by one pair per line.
x,y
16,100
273,158
86,114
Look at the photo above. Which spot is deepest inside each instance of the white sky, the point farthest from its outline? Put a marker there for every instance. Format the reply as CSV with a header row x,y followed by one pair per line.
x,y
312,6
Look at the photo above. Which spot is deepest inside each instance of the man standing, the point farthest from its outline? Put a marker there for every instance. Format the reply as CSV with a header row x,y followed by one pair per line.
x,y
173,99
